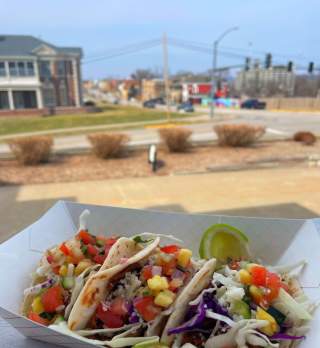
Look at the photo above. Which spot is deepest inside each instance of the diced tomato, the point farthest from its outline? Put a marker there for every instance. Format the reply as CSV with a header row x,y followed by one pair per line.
x,y
36,318
52,299
99,259
170,249
56,269
92,250
259,275
50,258
273,283
64,249
168,267
108,318
146,308
147,272
108,244
119,306
111,240
86,237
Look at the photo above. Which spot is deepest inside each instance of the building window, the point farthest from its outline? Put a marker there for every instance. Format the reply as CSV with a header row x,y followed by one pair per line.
x,y
21,69
45,70
30,69
13,69
3,69
61,68
4,100
24,99
49,95
63,94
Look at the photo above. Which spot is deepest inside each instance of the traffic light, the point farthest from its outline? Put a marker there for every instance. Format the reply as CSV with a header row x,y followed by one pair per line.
x,y
311,67
247,64
268,61
290,66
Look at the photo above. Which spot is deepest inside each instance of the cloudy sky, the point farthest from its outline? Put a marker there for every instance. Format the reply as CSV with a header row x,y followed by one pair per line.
x,y
286,28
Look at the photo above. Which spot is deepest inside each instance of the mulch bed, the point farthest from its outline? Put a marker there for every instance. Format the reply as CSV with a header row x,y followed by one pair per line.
x,y
134,164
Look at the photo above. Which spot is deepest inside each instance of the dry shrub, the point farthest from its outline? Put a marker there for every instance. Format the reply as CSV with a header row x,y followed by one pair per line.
x,y
107,145
176,139
307,138
238,134
31,150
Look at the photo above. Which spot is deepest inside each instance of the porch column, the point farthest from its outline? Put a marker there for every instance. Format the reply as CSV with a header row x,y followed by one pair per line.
x,y
39,98
10,97
76,82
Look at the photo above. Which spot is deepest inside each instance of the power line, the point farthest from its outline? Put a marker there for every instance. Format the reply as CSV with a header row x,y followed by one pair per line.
x,y
124,51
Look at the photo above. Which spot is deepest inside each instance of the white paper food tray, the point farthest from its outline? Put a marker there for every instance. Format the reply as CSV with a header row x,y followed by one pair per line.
x,y
274,241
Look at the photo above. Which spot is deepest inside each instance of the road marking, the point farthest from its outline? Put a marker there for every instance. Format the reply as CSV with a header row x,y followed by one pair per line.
x,y
275,131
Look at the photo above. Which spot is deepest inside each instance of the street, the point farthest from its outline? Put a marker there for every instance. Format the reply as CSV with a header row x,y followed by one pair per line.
x,y
278,125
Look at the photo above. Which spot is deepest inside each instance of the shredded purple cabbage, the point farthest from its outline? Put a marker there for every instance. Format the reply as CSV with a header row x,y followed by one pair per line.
x,y
197,314
213,304
133,316
282,336
193,322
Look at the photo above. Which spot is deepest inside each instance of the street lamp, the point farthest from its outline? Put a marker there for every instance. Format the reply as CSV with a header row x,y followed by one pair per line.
x,y
214,65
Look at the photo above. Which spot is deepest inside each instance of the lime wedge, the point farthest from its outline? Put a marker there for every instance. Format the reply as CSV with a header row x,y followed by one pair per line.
x,y
224,242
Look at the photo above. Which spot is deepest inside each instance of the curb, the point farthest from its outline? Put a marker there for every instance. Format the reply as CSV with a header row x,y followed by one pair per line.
x,y
266,163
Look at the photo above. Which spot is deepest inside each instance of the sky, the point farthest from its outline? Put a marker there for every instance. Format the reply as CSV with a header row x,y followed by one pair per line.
x,y
286,28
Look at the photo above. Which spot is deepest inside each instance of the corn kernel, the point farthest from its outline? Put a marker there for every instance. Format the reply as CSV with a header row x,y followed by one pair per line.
x,y
164,298
256,294
157,283
81,266
245,277
184,257
272,327
63,271
37,306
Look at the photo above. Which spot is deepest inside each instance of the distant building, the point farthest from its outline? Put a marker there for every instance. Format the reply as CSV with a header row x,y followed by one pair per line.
x,y
262,82
154,88
35,74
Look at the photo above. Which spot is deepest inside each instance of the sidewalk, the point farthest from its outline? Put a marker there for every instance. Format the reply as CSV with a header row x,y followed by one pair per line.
x,y
291,193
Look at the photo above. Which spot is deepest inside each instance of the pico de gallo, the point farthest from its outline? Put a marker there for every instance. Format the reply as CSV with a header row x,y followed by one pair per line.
x,y
148,288
244,295
61,275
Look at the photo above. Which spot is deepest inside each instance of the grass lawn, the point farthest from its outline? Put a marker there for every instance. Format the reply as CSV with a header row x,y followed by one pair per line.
x,y
114,114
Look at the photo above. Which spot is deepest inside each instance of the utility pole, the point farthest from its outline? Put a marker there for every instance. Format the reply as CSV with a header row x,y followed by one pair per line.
x,y
166,74
214,66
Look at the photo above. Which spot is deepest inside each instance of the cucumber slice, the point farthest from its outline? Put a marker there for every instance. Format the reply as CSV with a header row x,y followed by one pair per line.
x,y
241,308
224,242
68,282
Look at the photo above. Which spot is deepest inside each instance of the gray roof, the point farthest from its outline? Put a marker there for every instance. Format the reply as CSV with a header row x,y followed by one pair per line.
x,y
24,45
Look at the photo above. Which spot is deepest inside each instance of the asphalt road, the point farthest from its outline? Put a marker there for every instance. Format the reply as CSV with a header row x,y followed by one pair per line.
x,y
278,125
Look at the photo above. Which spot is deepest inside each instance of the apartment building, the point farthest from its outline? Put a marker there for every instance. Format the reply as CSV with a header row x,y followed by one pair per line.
x,y
35,74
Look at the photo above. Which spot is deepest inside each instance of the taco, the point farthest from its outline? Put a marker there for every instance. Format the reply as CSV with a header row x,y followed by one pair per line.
x,y
244,305
63,271
139,292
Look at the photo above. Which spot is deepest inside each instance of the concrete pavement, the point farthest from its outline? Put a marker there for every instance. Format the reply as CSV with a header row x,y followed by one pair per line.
x,y
282,192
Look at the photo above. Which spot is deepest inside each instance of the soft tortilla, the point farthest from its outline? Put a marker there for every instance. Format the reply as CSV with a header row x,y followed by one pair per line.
x,y
199,282
124,253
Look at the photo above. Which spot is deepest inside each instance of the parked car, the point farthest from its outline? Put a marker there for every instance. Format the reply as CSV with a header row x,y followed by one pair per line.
x,y
185,107
149,104
253,104
152,103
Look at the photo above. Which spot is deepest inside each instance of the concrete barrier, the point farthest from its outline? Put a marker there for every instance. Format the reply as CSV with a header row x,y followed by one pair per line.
x,y
302,104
